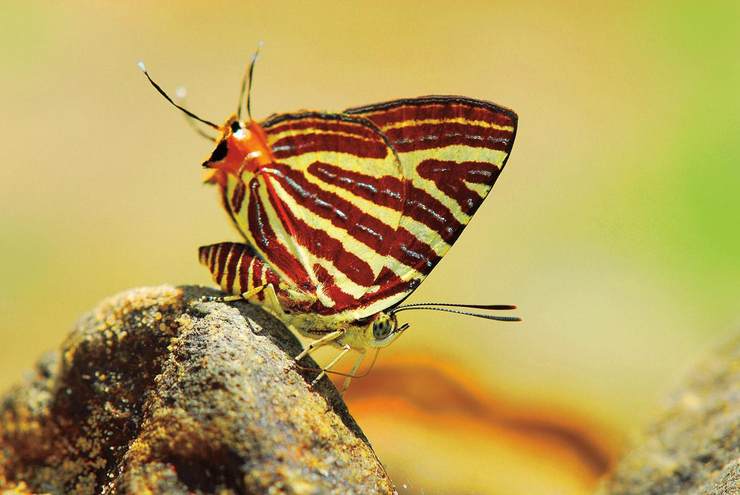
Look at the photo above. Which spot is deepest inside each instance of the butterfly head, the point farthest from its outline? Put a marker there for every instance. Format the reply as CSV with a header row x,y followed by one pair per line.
x,y
383,329
241,147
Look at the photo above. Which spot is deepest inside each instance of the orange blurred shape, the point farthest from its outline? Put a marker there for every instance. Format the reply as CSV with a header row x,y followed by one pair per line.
x,y
438,431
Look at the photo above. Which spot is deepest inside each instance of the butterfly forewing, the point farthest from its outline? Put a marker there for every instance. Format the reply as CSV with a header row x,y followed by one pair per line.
x,y
451,150
358,207
326,212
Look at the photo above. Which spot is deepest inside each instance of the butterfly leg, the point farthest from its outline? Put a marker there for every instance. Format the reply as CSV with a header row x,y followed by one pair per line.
x,y
326,339
244,295
329,366
353,371
272,303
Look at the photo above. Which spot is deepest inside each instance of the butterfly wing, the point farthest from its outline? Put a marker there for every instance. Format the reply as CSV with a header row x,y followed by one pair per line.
x,y
359,207
452,150
324,215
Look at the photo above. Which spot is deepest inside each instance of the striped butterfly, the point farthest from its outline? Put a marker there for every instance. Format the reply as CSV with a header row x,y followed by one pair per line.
x,y
343,215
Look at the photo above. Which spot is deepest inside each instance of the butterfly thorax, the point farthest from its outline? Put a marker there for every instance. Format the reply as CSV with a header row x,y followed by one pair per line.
x,y
376,331
314,326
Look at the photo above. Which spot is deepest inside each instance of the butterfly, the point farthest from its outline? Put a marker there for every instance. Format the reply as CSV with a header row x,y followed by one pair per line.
x,y
342,215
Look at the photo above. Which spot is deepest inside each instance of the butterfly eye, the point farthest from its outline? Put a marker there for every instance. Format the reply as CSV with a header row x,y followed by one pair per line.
x,y
235,126
382,329
220,152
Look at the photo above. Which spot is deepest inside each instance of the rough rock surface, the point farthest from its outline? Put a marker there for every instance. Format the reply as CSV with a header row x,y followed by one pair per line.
x,y
694,447
158,392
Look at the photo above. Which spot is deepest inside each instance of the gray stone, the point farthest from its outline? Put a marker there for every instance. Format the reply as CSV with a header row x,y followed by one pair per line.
x,y
694,447
156,391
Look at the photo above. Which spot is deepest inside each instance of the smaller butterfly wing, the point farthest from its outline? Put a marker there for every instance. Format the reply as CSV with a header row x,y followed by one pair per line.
x,y
452,150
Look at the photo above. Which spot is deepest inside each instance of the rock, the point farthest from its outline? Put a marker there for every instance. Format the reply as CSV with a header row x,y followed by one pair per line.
x,y
156,391
694,447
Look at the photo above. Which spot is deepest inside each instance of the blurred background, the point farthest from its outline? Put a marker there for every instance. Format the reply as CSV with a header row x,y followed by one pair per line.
x,y
614,227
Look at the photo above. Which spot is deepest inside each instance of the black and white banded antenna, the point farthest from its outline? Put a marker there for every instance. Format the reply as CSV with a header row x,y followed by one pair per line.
x,y
447,308
167,97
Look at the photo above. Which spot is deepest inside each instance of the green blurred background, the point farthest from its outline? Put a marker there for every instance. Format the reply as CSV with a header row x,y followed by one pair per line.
x,y
615,226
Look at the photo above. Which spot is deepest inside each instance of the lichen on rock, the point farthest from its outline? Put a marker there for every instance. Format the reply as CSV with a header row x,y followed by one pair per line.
x,y
156,391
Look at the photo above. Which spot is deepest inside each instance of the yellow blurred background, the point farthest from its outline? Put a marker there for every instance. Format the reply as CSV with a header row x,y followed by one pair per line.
x,y
614,227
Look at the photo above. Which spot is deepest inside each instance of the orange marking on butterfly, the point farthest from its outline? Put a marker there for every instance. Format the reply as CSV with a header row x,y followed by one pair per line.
x,y
247,151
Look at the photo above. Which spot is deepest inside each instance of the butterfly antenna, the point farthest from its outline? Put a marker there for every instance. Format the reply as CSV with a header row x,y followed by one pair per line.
x,y
493,307
166,97
465,313
180,94
247,85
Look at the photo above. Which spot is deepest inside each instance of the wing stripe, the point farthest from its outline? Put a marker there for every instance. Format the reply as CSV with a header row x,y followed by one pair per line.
x,y
321,244
423,137
340,212
231,269
203,253
424,208
222,265
257,275
435,107
446,120
392,286
450,178
413,252
237,197
299,134
384,191
223,256
341,299
213,253
244,272
267,241
321,124
327,142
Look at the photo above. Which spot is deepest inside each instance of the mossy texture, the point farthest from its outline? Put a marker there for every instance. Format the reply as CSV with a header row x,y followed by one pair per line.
x,y
694,447
158,392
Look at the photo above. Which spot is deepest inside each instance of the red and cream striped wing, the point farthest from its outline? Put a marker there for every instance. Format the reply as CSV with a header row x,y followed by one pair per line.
x,y
452,150
325,213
